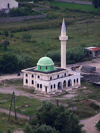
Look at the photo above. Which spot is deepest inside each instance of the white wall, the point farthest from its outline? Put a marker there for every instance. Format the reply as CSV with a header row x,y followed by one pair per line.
x,y
4,4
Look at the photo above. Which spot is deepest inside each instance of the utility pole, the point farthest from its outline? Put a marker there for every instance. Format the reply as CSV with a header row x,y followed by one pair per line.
x,y
12,99
87,29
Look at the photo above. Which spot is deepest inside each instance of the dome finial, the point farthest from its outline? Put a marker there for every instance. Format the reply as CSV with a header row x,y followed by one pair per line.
x,y
63,29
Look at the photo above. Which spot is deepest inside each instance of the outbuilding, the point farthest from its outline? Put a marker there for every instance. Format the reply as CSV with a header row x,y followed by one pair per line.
x,y
93,52
8,4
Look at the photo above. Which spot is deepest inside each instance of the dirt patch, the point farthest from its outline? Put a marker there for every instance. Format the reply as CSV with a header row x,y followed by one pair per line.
x,y
87,91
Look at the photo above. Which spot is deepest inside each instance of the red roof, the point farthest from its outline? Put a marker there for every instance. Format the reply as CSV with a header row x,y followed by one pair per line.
x,y
95,49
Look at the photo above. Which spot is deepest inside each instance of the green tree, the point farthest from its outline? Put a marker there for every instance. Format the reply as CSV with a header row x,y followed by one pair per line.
x,y
27,128
24,61
5,44
96,3
6,34
44,129
11,35
26,37
63,120
8,63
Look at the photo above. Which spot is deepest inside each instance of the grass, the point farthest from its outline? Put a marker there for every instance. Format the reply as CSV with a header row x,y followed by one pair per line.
x,y
12,124
65,5
24,104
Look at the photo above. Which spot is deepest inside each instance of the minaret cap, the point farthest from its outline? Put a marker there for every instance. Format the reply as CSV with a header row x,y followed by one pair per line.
x,y
63,29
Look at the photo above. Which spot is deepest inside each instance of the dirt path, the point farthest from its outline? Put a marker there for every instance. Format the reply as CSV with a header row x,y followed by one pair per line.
x,y
89,124
21,116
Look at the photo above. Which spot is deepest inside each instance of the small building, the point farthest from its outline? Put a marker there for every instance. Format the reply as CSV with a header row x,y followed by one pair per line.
x,y
8,4
93,52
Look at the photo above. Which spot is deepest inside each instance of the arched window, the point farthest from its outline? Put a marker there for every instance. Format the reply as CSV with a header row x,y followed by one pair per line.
x,y
77,80
26,80
26,75
51,86
50,78
40,85
38,76
74,80
37,85
32,76
32,82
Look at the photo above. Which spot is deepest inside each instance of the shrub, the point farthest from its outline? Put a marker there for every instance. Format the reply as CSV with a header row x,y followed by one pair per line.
x,y
98,125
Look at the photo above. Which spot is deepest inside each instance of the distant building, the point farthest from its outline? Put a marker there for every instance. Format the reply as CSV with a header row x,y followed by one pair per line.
x,y
8,4
46,77
93,52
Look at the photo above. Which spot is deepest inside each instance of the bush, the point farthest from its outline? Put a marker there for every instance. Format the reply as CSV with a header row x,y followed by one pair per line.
x,y
8,63
98,125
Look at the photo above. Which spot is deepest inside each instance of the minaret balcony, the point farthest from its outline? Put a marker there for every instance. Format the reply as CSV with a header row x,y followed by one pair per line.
x,y
63,38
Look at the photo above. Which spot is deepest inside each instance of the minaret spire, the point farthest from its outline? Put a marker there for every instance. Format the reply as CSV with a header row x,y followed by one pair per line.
x,y
63,29
63,38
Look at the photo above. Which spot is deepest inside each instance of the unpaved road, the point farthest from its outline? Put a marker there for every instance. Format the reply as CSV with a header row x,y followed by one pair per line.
x,y
89,124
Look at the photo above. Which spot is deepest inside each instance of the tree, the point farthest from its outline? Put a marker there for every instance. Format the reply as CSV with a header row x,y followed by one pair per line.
x,y
24,61
11,35
44,129
27,128
96,3
5,44
6,34
8,63
63,120
26,37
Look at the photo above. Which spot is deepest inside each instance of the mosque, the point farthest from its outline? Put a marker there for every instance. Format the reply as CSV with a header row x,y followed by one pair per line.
x,y
46,77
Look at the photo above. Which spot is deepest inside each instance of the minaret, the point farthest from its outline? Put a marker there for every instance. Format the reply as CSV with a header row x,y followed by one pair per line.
x,y
63,38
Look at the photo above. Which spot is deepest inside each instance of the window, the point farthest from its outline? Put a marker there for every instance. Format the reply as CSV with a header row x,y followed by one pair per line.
x,y
26,81
46,67
32,76
37,85
51,86
74,80
8,6
26,75
40,85
54,85
32,82
38,76
50,78
57,76
65,74
90,52
77,80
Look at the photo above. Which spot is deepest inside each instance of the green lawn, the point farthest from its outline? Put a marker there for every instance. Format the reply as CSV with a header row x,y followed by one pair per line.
x,y
12,124
75,6
24,105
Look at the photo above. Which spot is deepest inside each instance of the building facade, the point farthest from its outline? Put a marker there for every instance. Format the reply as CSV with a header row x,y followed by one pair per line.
x,y
8,4
46,77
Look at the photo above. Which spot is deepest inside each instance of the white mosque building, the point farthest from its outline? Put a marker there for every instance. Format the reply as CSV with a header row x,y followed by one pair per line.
x,y
46,77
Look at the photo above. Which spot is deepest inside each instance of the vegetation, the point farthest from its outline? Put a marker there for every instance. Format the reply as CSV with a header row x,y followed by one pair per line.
x,y
56,119
96,3
98,125
12,125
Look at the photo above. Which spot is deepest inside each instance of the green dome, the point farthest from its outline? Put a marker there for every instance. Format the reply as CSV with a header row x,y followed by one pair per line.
x,y
45,61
